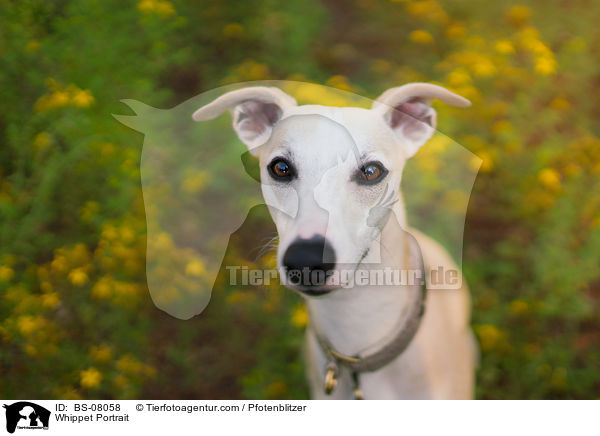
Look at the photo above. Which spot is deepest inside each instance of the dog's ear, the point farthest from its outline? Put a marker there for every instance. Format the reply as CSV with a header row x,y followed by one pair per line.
x,y
406,109
255,111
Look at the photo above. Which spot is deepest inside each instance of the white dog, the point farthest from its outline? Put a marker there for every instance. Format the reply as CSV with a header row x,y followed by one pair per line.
x,y
331,178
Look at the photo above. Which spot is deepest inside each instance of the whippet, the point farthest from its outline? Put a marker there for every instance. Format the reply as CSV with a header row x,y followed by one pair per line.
x,y
331,179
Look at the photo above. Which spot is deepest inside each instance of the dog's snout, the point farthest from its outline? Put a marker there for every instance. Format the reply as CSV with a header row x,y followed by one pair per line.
x,y
314,256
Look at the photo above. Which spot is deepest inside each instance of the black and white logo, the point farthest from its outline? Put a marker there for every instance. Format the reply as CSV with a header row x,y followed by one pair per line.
x,y
26,415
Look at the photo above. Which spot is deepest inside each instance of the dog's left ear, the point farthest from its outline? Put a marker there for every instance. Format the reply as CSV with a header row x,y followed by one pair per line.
x,y
255,112
406,109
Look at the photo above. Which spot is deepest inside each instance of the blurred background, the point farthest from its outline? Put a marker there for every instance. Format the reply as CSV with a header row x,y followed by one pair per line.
x,y
76,318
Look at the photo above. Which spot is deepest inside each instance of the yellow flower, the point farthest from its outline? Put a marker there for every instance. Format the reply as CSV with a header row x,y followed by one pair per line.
x,y
82,98
127,234
311,93
60,96
339,82
28,324
6,273
484,67
46,287
58,99
504,46
41,141
102,289
513,147
299,316
381,66
421,37
164,8
166,296
59,264
455,200
195,182
50,300
89,210
78,254
109,233
550,178
124,289
458,77
51,101
101,353
483,162
530,39
489,336
146,6
78,277
43,273
560,104
195,268
129,365
429,9
502,126
163,242
108,149
519,307
159,7
456,31
545,65
233,30
438,144
252,70
240,297
90,378
427,160
518,15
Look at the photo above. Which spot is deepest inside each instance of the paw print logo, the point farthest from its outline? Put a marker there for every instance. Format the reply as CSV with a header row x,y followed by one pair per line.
x,y
294,276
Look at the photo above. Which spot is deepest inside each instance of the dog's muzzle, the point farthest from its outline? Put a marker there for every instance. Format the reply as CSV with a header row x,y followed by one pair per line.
x,y
309,263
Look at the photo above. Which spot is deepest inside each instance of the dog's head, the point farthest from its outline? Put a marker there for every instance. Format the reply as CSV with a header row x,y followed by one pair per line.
x,y
330,175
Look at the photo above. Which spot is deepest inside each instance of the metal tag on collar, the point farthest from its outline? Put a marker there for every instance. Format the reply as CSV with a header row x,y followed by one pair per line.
x,y
331,373
358,395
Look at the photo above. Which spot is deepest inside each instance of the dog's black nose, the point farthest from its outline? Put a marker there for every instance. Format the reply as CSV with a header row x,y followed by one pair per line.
x,y
308,262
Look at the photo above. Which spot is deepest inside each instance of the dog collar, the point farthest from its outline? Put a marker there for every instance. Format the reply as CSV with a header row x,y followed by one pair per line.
x,y
374,361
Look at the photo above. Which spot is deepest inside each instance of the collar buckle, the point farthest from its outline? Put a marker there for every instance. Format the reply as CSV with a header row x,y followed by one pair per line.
x,y
331,377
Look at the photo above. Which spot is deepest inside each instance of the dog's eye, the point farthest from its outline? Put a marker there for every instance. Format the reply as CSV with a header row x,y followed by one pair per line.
x,y
371,173
280,169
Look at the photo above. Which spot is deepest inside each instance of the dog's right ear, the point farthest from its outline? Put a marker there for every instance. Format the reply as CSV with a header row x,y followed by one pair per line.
x,y
407,111
255,111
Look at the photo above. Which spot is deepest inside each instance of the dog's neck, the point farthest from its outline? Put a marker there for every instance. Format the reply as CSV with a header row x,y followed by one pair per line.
x,y
362,319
